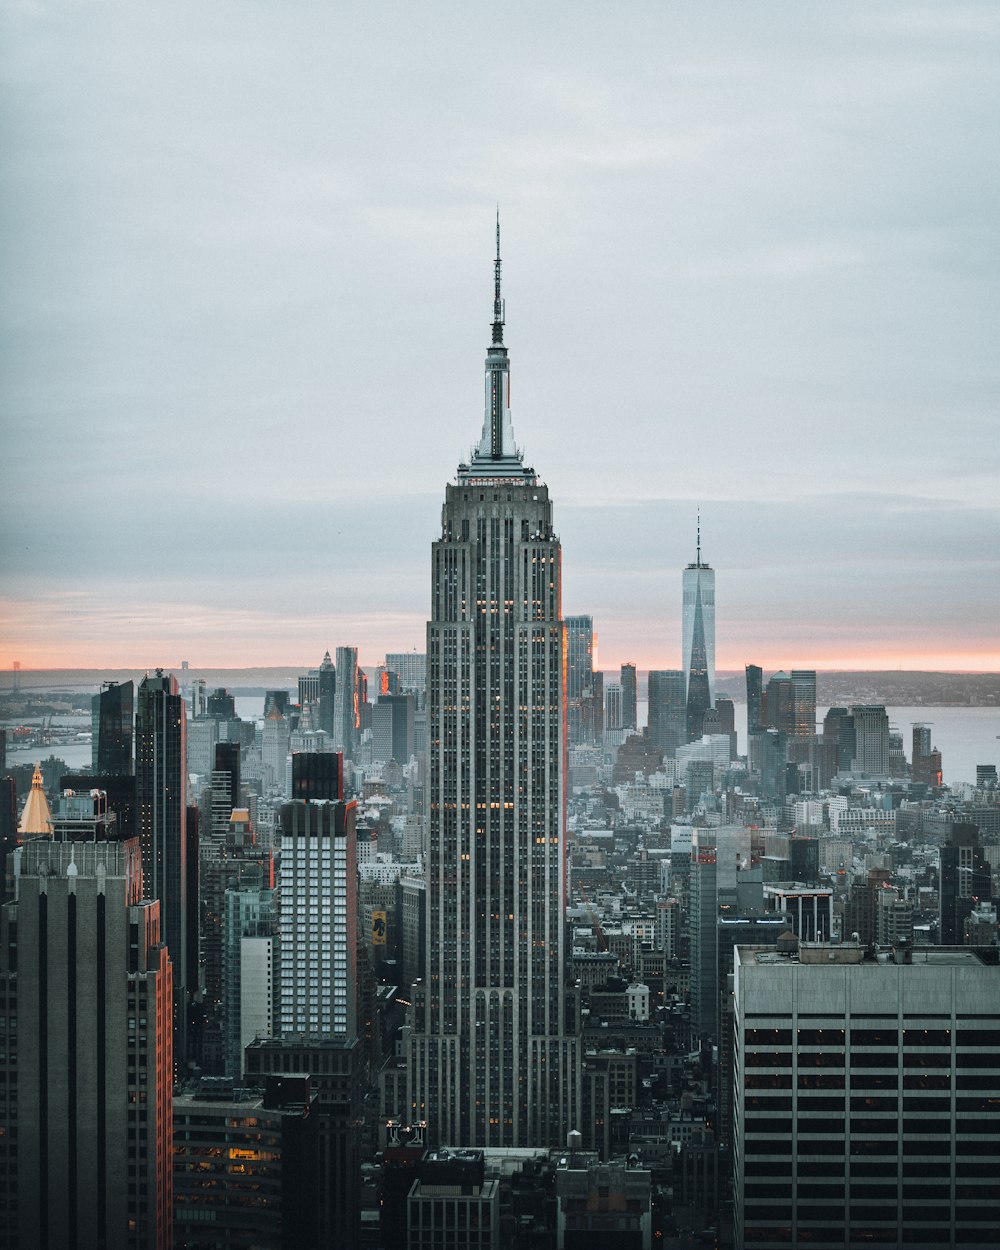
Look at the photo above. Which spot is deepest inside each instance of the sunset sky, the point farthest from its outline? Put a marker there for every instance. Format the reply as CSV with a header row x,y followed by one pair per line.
x,y
750,264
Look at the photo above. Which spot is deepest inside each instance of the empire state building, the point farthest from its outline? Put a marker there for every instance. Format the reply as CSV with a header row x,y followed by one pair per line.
x,y
491,1061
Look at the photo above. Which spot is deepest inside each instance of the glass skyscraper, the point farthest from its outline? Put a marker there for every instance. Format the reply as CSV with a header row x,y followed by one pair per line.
x,y
699,641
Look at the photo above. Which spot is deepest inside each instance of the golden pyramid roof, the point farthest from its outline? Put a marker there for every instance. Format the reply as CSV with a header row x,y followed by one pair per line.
x,y
36,819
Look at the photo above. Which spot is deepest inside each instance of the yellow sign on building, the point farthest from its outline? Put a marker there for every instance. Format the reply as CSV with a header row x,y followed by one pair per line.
x,y
378,928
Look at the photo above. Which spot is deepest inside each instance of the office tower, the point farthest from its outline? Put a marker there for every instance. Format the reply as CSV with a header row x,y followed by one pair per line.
x,y
727,722
779,704
630,702
249,961
85,989
755,697
199,698
8,834
803,703
613,712
317,775
226,775
871,740
392,728
346,713
202,735
925,767
246,1165
221,704
772,749
327,693
3,752
838,734
699,641
161,806
965,881
333,1065
667,710
318,887
161,819
274,749
861,1095
490,1061
411,667
581,642
309,685
112,721
451,1202
229,856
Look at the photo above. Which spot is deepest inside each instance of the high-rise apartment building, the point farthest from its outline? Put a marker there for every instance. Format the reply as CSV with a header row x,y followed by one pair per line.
x,y
318,887
161,820
490,1061
112,724
864,1090
699,641
86,1075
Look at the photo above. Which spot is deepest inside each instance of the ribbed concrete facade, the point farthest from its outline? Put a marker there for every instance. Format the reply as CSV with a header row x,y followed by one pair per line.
x,y
490,1062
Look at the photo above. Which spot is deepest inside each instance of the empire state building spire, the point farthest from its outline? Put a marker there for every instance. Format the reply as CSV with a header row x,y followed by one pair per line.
x,y
496,454
490,1060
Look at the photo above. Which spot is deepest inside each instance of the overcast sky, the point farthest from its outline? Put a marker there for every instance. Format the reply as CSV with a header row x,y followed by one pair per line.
x,y
750,264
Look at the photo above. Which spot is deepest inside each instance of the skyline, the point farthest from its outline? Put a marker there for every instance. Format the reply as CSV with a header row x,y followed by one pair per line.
x,y
756,247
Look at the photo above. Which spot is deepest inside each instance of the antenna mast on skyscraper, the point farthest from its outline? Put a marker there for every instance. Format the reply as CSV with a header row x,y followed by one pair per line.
x,y
498,308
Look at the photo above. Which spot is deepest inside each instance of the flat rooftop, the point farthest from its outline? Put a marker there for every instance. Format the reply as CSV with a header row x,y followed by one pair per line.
x,y
837,954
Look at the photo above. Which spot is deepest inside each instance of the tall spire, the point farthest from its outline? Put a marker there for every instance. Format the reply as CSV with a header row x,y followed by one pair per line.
x,y
699,538
498,308
497,452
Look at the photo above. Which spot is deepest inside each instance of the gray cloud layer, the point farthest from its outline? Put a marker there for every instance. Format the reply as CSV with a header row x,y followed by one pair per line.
x,y
750,262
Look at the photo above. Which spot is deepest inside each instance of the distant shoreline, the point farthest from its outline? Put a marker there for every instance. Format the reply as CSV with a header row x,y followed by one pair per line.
x,y
892,687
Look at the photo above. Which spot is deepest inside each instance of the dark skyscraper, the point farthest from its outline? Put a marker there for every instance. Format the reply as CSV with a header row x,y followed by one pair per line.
x,y
667,710
755,698
803,702
584,720
161,818
346,713
112,722
490,1061
630,712
221,704
86,1152
317,775
699,641
965,881
327,693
